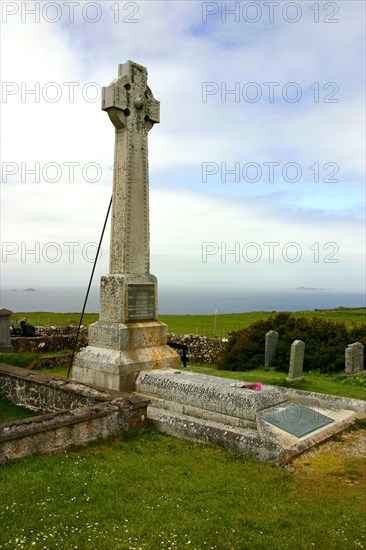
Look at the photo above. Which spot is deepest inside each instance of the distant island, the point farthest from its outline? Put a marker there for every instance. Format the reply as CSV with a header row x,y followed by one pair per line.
x,y
29,290
312,288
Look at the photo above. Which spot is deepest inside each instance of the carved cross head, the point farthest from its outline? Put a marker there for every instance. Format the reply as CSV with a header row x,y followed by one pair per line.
x,y
129,101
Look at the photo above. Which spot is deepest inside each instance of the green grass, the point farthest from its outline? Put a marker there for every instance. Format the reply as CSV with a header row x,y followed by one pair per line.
x,y
28,360
45,318
155,492
23,360
332,384
57,371
10,412
203,325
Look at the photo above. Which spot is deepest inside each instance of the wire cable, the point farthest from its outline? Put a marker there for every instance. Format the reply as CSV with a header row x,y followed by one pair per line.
x,y
87,292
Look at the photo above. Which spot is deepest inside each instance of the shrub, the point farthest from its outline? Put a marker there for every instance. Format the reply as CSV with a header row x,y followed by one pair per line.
x,y
358,334
325,342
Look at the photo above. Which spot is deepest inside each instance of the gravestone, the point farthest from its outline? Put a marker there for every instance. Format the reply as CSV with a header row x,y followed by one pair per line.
x,y
296,361
271,341
128,337
5,342
272,423
354,359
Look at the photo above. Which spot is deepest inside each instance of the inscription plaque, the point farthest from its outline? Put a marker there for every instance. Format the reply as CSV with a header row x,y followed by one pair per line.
x,y
298,420
141,302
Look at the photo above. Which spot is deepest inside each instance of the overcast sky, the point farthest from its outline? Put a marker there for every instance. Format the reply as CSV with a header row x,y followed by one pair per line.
x,y
260,148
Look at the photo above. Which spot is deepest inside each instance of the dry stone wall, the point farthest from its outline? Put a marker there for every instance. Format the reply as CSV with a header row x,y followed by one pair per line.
x,y
201,349
50,339
75,413
65,330
42,392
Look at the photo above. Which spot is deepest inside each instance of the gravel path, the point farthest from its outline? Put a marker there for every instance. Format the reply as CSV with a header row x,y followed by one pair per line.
x,y
350,444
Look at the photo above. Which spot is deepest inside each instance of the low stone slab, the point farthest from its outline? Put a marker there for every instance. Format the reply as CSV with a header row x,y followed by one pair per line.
x,y
273,424
210,393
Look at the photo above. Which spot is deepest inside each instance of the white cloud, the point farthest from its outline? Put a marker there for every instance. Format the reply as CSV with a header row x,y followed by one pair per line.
x,y
181,53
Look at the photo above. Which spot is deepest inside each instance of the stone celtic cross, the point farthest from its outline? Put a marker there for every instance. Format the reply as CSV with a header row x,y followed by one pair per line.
x,y
128,337
133,111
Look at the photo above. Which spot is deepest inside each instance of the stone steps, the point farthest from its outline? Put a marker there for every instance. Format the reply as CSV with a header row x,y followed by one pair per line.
x,y
232,438
173,407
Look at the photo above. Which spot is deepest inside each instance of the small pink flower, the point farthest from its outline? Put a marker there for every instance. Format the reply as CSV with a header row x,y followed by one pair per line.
x,y
257,386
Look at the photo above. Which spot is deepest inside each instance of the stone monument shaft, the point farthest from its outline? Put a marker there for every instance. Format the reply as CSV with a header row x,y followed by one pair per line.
x,y
133,111
128,337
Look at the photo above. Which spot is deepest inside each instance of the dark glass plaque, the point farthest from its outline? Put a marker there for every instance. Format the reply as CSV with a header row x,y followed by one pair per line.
x,y
141,302
298,420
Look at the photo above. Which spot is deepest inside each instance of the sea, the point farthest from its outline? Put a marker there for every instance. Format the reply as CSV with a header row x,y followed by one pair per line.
x,y
182,301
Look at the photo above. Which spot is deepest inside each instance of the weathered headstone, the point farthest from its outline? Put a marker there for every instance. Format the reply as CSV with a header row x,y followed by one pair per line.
x,y
5,342
354,359
128,337
296,361
271,341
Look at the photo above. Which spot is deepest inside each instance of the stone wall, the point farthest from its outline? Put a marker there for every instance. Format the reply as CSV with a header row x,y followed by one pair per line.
x,y
57,331
46,344
42,392
201,349
76,413
50,339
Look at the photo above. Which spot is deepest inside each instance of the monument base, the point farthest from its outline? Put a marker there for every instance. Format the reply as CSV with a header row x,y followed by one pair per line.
x,y
6,348
359,373
118,352
298,379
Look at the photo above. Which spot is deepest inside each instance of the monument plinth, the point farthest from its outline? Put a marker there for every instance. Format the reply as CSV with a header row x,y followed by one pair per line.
x,y
128,337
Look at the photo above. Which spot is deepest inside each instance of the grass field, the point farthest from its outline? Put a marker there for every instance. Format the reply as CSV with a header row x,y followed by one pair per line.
x,y
332,384
153,492
10,412
204,325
